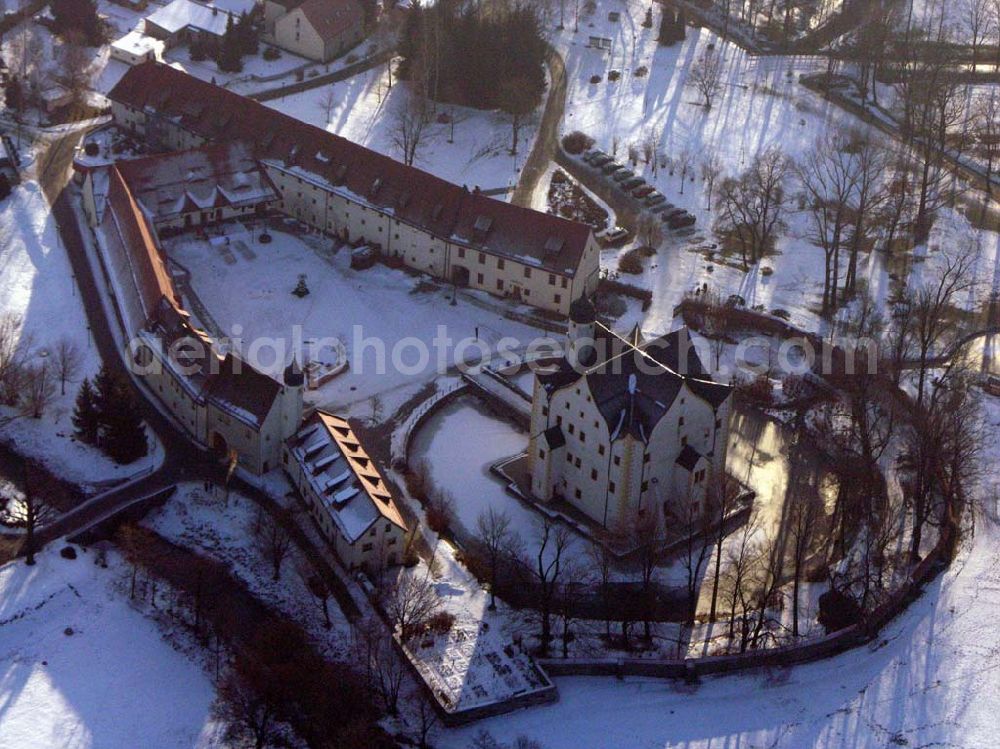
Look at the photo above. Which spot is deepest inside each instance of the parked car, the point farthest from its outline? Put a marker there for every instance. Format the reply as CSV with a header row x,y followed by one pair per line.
x,y
632,183
643,191
674,212
622,175
595,153
655,198
363,257
682,221
992,385
599,161
590,153
616,235
611,167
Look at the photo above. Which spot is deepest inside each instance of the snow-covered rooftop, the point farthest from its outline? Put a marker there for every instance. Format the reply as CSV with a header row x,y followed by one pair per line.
x,y
341,473
181,14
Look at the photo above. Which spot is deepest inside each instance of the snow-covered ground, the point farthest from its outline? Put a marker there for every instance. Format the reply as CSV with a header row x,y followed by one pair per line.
x,y
371,311
230,532
476,152
761,105
81,669
37,285
932,679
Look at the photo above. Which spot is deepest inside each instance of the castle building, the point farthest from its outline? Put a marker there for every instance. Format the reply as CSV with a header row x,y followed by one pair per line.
x,y
622,426
345,492
362,196
221,401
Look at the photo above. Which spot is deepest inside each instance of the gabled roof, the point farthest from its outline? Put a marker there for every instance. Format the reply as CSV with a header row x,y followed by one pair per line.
x,y
171,184
343,475
449,212
635,382
331,18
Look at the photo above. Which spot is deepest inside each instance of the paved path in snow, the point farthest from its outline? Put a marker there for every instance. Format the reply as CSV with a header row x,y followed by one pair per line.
x,y
547,140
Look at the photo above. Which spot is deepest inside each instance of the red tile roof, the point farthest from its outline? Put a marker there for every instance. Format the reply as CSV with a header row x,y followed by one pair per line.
x,y
448,211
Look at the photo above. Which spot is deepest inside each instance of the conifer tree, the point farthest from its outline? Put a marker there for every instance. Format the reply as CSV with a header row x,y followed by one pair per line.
x,y
86,421
121,432
230,57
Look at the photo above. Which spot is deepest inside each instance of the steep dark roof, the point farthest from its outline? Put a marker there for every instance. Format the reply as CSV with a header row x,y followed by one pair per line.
x,y
688,458
242,390
636,381
448,211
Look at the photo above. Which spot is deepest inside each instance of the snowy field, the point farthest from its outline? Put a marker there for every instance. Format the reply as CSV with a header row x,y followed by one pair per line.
x,y
80,669
761,105
227,532
371,311
37,284
475,153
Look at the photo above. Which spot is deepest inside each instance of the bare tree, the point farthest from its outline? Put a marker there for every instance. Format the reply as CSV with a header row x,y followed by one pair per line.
x,y
552,544
872,160
495,535
684,163
711,170
706,76
518,101
275,541
977,20
934,123
15,350
327,103
932,307
601,559
74,65
39,390
320,590
248,711
646,542
426,717
829,178
410,601
408,128
32,508
722,495
804,514
68,359
752,205
695,550
986,127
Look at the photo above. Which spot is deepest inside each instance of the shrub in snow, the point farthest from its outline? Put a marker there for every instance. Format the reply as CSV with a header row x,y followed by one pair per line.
x,y
595,79
67,552
301,290
837,610
92,149
272,53
577,142
614,75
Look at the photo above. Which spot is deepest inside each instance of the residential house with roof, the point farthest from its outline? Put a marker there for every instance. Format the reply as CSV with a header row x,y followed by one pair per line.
x,y
622,426
185,21
221,401
319,30
345,491
362,196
